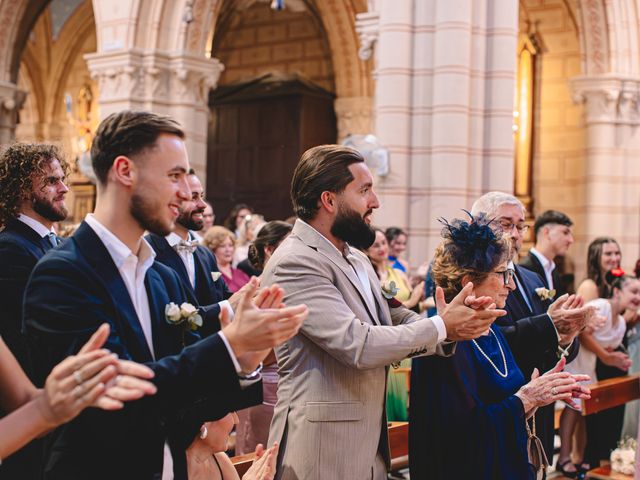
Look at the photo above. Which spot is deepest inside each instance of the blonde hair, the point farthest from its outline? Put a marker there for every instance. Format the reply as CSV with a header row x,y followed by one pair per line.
x,y
216,235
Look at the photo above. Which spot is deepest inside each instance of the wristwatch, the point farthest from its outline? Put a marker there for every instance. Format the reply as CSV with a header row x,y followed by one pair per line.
x,y
251,376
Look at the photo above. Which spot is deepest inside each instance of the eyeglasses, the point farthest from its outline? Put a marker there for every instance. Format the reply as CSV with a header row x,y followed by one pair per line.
x,y
507,275
508,226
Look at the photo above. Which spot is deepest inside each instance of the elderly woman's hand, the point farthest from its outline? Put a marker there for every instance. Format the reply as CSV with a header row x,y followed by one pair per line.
x,y
552,386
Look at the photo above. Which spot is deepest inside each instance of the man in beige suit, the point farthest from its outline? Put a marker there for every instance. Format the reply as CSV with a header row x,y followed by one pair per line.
x,y
330,416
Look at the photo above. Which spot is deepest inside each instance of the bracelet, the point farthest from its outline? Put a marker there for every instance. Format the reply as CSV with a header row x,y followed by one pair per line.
x,y
251,376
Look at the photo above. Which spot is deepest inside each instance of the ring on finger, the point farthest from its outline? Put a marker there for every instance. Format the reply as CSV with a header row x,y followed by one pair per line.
x,y
77,375
554,392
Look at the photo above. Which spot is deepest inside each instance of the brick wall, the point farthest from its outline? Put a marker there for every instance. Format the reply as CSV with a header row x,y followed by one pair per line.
x,y
259,40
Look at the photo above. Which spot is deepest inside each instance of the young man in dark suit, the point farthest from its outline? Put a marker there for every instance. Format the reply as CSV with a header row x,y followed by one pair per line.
x,y
32,198
553,238
195,264
106,272
538,332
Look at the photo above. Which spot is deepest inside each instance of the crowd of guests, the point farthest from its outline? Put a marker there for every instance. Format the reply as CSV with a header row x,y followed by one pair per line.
x,y
178,331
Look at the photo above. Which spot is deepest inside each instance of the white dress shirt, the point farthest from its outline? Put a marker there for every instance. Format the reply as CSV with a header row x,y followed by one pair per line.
x,y
189,263
360,270
35,225
133,269
547,265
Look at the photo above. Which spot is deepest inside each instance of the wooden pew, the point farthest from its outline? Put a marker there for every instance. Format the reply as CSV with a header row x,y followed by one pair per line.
x,y
398,445
612,393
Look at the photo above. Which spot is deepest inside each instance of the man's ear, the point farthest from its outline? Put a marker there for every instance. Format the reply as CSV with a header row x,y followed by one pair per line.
x,y
124,171
328,201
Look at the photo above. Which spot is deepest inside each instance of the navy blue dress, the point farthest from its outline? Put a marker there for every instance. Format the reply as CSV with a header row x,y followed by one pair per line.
x,y
465,421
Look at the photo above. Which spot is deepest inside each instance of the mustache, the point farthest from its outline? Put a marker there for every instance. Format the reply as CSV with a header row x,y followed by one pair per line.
x,y
197,210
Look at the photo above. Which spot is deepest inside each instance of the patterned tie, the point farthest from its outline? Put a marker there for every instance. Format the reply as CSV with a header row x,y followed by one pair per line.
x,y
188,246
53,238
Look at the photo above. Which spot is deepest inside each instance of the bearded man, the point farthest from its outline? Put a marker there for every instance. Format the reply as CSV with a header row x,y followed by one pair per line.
x,y
329,418
32,194
195,264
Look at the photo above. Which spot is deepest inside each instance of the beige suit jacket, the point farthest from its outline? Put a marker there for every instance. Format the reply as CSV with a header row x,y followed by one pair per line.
x,y
330,415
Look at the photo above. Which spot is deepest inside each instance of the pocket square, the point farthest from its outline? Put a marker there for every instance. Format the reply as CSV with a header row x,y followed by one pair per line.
x,y
215,276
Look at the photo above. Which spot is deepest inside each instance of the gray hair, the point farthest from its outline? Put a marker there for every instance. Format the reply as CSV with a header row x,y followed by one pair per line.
x,y
491,201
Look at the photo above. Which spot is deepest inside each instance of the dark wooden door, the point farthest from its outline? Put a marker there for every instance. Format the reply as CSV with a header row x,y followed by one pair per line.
x,y
257,133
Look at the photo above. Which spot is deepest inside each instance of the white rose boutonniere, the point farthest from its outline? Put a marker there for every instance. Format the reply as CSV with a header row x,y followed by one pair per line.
x,y
215,276
186,315
545,293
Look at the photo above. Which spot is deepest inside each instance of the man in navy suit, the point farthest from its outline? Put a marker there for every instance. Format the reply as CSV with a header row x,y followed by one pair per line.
x,y
539,332
553,238
32,192
107,273
195,264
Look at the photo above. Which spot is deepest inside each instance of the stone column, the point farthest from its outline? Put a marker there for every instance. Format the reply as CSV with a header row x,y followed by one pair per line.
x,y
175,84
11,99
444,102
611,197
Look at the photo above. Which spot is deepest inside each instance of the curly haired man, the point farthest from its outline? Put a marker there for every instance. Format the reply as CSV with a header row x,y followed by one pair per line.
x,y
32,196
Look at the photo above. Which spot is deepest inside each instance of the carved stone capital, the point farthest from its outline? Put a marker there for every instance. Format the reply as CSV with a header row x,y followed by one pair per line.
x,y
145,78
11,100
354,115
608,98
367,27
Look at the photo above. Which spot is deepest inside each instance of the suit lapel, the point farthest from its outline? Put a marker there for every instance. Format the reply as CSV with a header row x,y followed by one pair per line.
x,y
97,254
163,344
539,269
311,237
37,245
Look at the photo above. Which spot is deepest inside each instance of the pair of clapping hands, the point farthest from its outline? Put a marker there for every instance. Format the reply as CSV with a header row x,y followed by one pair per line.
x,y
96,377
468,317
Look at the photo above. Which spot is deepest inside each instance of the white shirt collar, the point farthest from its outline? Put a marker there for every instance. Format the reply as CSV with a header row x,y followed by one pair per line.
x,y
173,239
547,265
39,228
117,249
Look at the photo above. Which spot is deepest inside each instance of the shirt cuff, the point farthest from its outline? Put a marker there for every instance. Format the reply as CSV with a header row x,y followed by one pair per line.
x,y
244,383
224,304
440,326
236,364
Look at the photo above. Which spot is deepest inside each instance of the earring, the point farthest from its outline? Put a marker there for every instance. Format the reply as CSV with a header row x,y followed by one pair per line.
x,y
203,432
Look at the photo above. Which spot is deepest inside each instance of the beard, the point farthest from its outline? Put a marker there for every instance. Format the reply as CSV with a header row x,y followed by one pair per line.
x,y
46,209
350,227
145,214
186,220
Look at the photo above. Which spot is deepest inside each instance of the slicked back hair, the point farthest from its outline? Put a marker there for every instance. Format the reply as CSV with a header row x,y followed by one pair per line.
x,y
127,133
321,169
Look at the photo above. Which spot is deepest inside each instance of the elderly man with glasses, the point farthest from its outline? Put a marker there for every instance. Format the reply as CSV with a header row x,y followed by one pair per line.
x,y
539,332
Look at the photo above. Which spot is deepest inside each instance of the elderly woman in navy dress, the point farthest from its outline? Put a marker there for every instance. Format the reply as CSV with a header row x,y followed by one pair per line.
x,y
469,412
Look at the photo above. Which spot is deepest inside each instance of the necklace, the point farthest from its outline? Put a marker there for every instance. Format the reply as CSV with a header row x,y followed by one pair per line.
x,y
504,360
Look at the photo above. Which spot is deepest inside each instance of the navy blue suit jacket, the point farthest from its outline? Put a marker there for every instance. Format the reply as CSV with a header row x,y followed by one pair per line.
x,y
20,249
533,341
71,292
207,292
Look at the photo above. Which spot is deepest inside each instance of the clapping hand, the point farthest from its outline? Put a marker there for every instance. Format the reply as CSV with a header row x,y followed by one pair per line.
x,y
553,385
467,316
264,467
570,316
260,324
93,377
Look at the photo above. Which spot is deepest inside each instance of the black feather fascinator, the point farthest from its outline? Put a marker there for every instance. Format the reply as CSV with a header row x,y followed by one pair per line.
x,y
472,243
